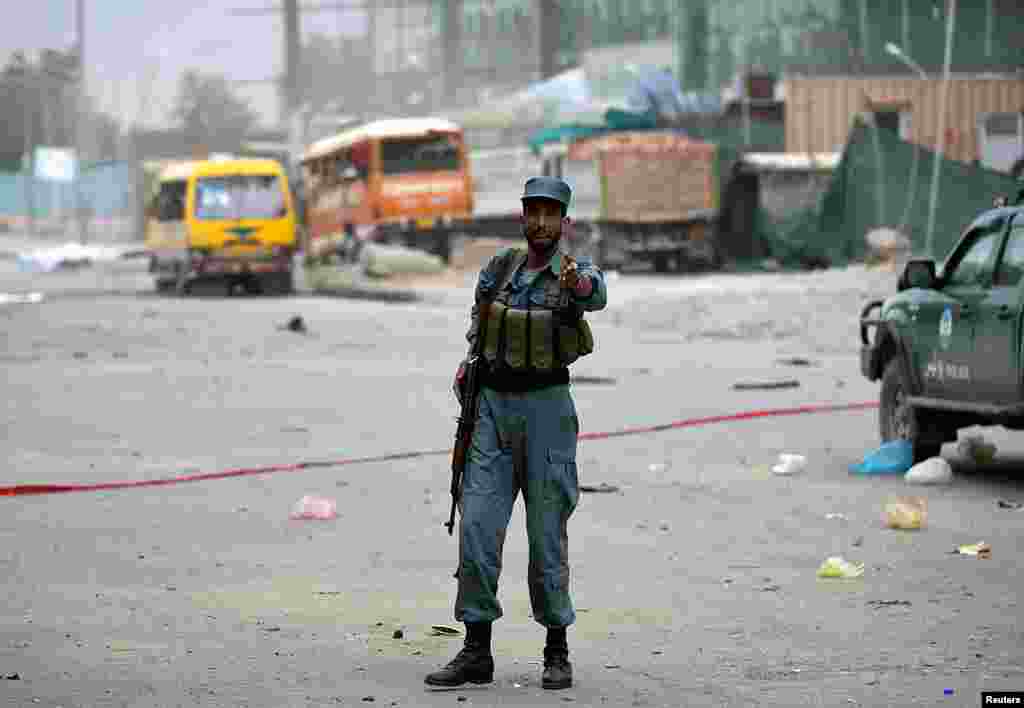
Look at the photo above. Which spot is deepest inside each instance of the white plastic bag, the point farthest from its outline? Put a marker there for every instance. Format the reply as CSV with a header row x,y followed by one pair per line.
x,y
976,448
932,471
313,507
790,464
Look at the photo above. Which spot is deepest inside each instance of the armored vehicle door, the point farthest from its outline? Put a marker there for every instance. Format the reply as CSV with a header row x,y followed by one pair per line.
x,y
998,324
952,367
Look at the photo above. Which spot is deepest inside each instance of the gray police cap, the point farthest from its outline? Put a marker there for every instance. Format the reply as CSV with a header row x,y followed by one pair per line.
x,y
547,188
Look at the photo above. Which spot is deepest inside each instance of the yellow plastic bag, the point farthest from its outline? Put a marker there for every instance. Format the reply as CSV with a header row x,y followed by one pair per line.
x,y
906,513
838,567
981,550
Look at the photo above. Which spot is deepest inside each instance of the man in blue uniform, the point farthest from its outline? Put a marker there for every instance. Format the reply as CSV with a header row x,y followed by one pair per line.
x,y
525,436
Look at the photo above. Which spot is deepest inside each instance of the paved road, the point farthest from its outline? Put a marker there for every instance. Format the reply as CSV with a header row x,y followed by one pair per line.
x,y
695,585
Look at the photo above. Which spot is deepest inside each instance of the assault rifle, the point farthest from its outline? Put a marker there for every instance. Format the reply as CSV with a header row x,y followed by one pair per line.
x,y
469,399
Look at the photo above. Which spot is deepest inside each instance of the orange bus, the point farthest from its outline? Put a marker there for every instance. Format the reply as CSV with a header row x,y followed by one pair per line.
x,y
394,181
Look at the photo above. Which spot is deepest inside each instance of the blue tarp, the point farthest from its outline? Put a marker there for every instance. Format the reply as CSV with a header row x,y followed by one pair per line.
x,y
654,99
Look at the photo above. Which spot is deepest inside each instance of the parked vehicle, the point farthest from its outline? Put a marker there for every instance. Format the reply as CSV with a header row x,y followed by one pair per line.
x,y
947,346
400,181
226,220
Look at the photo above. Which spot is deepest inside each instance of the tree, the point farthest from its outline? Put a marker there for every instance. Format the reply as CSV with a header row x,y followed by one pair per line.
x,y
37,103
210,114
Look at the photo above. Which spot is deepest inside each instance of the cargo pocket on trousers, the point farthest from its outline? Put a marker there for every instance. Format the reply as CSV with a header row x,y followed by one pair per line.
x,y
562,486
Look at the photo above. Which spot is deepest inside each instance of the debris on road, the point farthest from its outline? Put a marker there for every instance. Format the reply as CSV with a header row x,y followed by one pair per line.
x,y
888,603
765,385
981,550
977,449
796,361
894,457
1004,504
790,464
440,630
603,488
67,256
934,470
592,380
20,298
295,324
909,513
12,677
839,567
313,507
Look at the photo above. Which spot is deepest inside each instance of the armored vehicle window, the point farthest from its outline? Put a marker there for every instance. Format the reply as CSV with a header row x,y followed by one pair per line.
x,y
1012,266
973,267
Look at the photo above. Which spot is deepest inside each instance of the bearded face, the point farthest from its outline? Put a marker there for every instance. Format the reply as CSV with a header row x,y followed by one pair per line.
x,y
542,224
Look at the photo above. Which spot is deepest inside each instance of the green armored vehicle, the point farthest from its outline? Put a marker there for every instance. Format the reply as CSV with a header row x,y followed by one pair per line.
x,y
947,346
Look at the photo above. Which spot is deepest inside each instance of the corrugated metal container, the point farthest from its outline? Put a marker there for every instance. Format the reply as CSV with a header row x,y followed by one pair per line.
x,y
819,111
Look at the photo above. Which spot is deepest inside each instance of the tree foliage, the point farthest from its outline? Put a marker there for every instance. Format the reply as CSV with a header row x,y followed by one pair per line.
x,y
210,114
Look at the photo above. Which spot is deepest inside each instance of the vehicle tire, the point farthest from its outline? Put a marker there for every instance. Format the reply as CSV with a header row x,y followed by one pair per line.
x,y
897,419
277,284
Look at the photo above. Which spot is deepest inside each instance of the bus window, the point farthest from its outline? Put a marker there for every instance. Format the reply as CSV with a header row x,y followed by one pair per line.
x,y
239,197
170,203
431,153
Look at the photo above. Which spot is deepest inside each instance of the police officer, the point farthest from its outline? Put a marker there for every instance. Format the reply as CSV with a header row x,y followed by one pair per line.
x,y
525,436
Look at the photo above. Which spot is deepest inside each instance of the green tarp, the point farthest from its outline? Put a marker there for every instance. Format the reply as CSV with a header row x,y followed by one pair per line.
x,y
874,185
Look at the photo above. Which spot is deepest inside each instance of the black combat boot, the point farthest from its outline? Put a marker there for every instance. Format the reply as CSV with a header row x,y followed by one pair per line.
x,y
557,669
473,664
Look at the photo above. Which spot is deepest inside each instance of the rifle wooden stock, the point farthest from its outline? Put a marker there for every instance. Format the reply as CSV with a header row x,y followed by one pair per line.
x,y
469,404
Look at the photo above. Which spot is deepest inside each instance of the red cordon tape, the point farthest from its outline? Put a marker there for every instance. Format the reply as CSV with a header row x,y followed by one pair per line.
x,y
25,489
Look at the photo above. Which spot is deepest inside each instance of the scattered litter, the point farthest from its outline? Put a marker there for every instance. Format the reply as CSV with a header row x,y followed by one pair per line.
x,y
976,448
658,467
69,255
312,507
1004,504
906,513
20,298
612,666
796,361
765,385
895,457
771,588
934,470
439,630
12,677
790,464
888,603
603,488
295,324
981,550
592,380
368,699
272,628
838,567
397,634
836,516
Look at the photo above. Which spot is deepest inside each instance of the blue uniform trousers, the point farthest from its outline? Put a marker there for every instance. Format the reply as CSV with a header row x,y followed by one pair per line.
x,y
523,442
